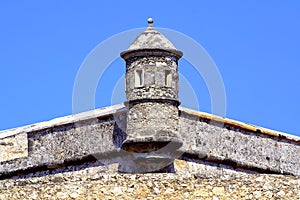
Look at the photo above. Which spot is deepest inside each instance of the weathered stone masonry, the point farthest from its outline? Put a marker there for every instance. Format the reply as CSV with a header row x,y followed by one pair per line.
x,y
239,146
88,155
100,136
152,93
67,150
91,184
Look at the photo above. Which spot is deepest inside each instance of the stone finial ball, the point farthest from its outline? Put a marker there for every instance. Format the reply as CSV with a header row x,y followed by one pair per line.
x,y
150,20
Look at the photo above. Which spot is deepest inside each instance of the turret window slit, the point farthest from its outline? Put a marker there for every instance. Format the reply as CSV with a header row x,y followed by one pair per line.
x,y
139,78
168,78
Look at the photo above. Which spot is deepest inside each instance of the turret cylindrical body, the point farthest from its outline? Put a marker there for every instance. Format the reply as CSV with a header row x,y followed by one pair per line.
x,y
152,99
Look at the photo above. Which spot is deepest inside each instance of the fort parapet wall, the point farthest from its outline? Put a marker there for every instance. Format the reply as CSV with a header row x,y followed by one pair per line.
x,y
213,143
239,145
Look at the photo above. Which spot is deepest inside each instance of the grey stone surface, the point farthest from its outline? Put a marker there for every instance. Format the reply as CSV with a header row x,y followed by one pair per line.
x,y
240,147
154,73
151,39
152,94
204,142
149,118
72,141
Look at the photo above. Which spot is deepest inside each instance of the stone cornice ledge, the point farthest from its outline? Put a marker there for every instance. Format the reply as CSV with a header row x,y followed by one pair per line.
x,y
241,125
121,108
101,112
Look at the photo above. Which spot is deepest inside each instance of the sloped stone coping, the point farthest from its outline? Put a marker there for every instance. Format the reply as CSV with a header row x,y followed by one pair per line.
x,y
241,125
65,120
121,108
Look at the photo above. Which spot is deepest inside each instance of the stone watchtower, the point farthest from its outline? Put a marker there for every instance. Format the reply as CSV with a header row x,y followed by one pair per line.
x,y
152,95
213,161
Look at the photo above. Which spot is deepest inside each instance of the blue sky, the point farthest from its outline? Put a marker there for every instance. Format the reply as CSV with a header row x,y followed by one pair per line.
x,y
255,45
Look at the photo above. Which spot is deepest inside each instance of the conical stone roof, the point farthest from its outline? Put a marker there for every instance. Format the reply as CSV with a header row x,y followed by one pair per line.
x,y
151,39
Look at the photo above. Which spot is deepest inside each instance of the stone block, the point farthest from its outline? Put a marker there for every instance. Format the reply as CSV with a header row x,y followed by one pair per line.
x,y
13,147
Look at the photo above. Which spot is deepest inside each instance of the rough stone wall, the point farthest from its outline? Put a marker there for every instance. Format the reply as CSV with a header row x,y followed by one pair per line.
x,y
154,86
151,100
152,119
237,147
54,146
91,183
203,141
13,147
